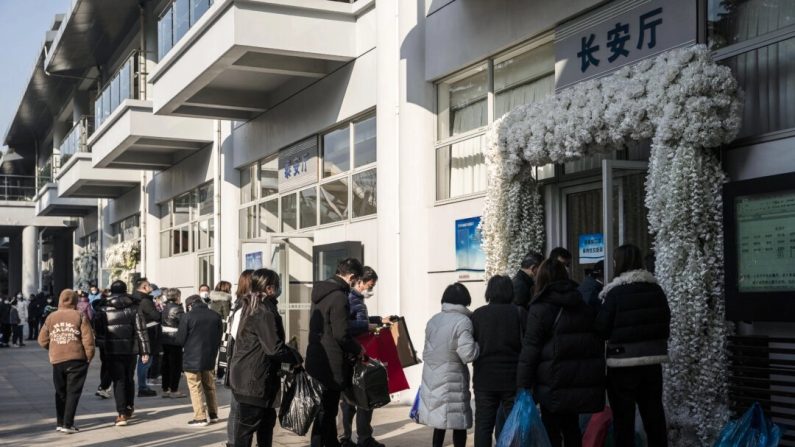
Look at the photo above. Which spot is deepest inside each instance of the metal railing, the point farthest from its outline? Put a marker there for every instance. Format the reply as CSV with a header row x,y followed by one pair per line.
x,y
176,20
75,140
123,85
45,174
20,188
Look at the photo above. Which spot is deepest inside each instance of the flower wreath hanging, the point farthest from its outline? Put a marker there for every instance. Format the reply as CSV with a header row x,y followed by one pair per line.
x,y
122,258
686,104
86,268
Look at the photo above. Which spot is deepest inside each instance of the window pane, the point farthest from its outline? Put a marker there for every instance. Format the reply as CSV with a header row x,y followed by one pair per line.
x,y
165,217
289,213
523,78
768,81
334,201
461,168
114,93
308,204
181,19
211,232
198,7
732,22
164,36
106,103
269,217
194,232
182,209
205,200
165,243
336,152
365,193
248,184
462,103
364,142
269,177
248,222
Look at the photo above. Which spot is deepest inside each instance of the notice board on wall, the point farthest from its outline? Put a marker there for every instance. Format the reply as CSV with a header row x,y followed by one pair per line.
x,y
468,250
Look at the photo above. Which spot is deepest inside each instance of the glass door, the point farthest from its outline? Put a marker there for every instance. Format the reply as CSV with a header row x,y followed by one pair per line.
x,y
624,212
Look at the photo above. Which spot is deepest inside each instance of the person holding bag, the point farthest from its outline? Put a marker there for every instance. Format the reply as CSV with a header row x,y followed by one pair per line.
x,y
562,358
259,351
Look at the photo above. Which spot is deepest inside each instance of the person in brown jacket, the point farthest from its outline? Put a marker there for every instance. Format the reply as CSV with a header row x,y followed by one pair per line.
x,y
67,336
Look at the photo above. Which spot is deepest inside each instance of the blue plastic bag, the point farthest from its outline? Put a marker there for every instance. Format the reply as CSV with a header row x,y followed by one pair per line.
x,y
414,414
753,429
524,428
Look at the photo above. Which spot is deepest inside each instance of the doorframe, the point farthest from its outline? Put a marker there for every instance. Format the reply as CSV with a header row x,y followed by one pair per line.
x,y
608,167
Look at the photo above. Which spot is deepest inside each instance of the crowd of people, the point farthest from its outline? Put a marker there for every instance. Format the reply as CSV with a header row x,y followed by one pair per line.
x,y
568,343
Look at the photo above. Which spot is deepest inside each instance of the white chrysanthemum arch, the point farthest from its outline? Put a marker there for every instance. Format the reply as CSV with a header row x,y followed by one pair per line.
x,y
686,104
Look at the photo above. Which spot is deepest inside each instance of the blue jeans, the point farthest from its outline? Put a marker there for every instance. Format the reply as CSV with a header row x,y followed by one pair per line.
x,y
142,371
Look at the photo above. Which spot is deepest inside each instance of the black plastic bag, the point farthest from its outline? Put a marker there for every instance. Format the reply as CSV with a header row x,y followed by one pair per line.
x,y
370,388
301,401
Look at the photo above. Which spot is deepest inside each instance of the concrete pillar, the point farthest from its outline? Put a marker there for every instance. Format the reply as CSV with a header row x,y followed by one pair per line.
x,y
15,263
30,266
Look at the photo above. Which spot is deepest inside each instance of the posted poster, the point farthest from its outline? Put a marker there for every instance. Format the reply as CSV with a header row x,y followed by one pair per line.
x,y
254,260
468,251
591,248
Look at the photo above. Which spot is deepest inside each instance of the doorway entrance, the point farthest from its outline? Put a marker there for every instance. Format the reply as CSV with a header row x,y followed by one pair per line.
x,y
600,213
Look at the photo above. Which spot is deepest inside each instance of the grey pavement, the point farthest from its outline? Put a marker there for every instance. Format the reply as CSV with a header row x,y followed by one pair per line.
x,y
27,414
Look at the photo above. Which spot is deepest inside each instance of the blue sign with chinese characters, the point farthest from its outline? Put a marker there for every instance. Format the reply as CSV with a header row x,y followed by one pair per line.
x,y
468,251
591,248
298,165
618,34
254,260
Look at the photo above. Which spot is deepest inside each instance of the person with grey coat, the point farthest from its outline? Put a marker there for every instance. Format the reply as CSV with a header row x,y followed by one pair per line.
x,y
449,345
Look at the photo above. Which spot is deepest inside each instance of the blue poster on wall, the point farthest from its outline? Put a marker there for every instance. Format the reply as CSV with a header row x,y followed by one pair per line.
x,y
254,260
468,251
591,248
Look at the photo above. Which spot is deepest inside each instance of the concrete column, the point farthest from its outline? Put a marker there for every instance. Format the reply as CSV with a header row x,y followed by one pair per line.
x,y
30,267
15,263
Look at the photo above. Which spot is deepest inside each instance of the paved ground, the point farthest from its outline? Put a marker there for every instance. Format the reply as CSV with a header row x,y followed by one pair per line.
x,y
27,414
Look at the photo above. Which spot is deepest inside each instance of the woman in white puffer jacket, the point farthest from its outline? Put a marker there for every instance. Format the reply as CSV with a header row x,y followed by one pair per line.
x,y
449,346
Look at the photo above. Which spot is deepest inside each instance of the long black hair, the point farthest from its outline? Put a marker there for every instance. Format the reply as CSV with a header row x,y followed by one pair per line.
x,y
627,258
260,280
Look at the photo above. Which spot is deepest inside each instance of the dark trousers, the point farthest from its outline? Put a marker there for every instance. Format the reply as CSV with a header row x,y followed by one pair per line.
x,y
364,418
122,372
232,423
459,437
487,404
171,367
68,378
6,332
33,329
18,328
563,429
255,420
324,429
105,381
157,366
641,385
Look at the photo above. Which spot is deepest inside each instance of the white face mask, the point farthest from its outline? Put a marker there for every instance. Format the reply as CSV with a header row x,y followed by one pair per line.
x,y
19,296
204,294
368,294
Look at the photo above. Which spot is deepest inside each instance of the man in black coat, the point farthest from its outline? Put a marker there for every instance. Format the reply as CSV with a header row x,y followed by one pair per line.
x,y
146,307
122,335
199,335
524,281
592,284
332,351
5,310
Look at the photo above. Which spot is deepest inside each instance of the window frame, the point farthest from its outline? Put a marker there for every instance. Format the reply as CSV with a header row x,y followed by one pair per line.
x,y
194,221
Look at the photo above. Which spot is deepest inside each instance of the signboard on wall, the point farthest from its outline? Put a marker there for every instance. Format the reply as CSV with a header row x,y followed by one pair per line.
x,y
298,165
765,226
253,260
468,250
591,248
621,33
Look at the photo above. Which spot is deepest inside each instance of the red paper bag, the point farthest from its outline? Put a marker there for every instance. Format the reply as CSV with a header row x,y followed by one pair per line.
x,y
596,432
382,348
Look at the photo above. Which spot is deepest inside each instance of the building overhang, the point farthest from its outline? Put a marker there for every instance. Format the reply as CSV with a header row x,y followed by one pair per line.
x,y
79,179
49,203
133,138
243,56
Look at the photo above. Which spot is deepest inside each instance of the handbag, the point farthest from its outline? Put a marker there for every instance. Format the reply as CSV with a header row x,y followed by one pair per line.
x,y
405,348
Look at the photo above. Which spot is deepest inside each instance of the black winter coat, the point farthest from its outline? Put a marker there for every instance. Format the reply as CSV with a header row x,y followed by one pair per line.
x,y
259,351
5,311
151,316
359,320
331,350
199,335
120,329
590,289
635,320
169,320
498,331
522,289
562,357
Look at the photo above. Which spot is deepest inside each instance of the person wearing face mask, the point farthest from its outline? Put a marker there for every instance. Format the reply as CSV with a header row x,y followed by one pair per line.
x,y
360,322
332,350
34,314
204,293
93,293
15,324
258,354
146,307
22,311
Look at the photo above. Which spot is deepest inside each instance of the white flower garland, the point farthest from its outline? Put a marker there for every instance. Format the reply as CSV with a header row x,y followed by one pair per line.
x,y
122,258
685,103
85,265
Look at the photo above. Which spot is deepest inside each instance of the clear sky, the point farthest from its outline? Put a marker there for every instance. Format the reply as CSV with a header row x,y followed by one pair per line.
x,y
23,24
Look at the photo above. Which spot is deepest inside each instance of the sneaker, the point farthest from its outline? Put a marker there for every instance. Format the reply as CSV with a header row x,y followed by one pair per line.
x,y
121,420
104,394
130,412
70,430
213,417
198,423
165,394
58,427
371,442
147,393
177,395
